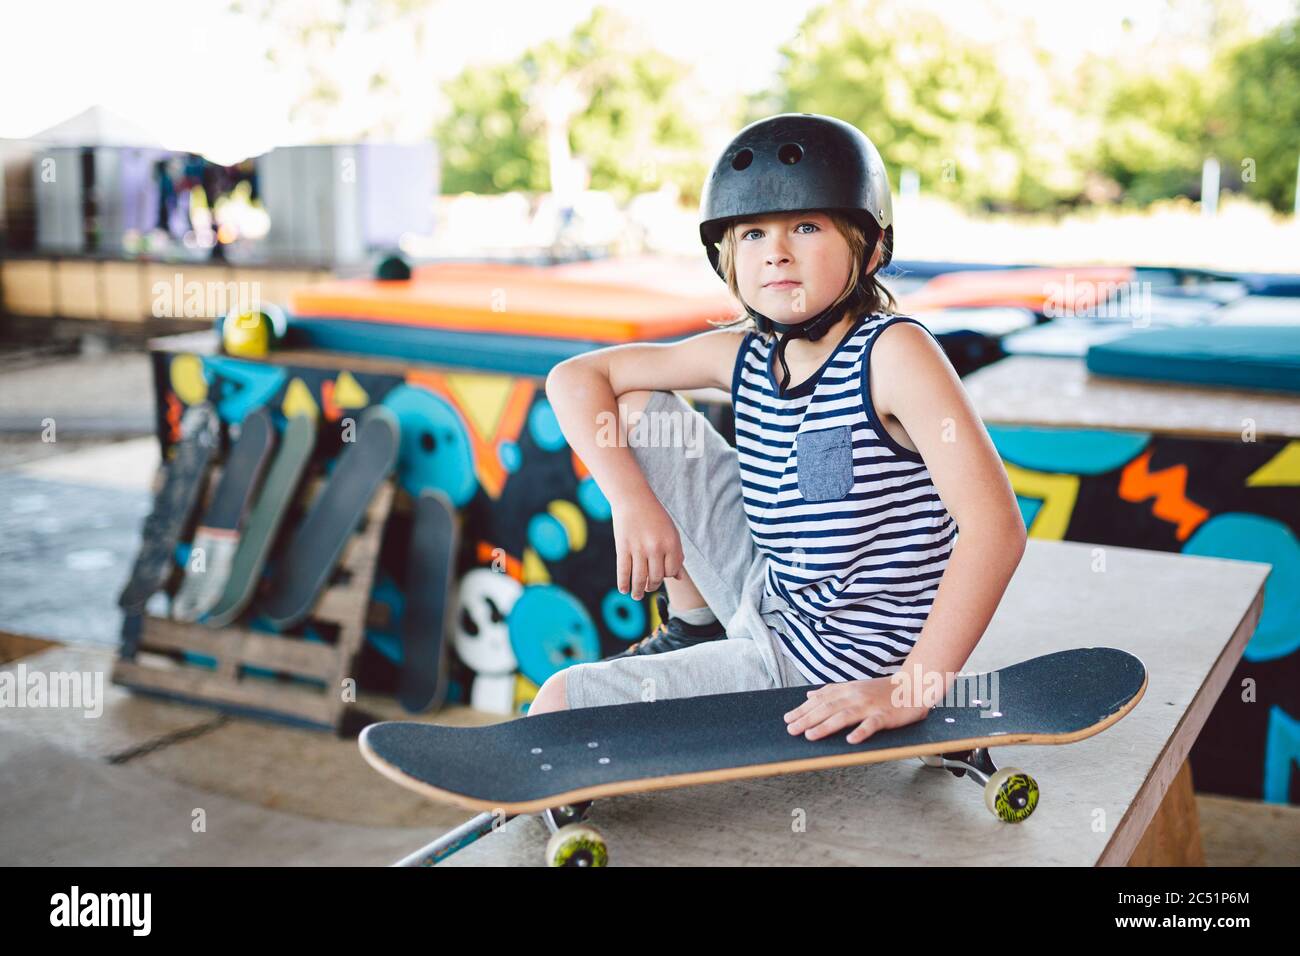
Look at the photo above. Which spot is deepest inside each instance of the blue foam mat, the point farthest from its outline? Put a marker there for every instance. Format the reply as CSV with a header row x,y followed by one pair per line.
x,y
1240,356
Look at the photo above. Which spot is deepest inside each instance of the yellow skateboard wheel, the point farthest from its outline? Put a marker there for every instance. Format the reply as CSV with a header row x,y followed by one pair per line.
x,y
576,844
1011,794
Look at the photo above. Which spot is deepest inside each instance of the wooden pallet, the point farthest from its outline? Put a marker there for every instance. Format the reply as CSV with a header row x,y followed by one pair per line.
x,y
161,667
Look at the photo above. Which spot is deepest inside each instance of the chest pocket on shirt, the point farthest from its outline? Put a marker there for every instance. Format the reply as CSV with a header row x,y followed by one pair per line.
x,y
825,463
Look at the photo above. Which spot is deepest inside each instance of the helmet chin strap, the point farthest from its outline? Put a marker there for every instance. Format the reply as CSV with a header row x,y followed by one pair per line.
x,y
811,329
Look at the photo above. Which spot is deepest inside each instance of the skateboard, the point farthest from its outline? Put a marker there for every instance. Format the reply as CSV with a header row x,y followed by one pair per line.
x,y
557,763
217,537
430,602
312,554
274,501
172,507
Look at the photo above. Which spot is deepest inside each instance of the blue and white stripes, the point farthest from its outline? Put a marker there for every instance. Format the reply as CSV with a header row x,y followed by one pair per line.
x,y
856,535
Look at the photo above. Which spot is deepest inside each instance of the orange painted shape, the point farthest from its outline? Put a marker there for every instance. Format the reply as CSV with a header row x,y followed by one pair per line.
x,y
486,554
329,409
1169,488
174,409
492,475
579,468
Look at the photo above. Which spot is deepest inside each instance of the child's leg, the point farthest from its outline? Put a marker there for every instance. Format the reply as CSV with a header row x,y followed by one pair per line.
x,y
695,475
716,667
683,595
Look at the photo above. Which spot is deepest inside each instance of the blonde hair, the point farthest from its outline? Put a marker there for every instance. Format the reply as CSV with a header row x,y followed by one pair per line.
x,y
861,293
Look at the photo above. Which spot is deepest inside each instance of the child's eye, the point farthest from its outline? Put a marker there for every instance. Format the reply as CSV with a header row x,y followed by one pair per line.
x,y
812,227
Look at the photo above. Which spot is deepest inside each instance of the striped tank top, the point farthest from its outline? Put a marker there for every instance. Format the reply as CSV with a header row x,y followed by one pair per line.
x,y
854,530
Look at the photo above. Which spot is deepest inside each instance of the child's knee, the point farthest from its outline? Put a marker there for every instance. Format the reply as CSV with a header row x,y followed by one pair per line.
x,y
552,695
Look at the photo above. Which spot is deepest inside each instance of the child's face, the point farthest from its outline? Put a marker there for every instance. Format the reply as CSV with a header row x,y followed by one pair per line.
x,y
790,265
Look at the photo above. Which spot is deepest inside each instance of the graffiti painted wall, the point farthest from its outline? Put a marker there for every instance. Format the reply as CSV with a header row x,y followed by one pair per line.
x,y
536,579
1209,497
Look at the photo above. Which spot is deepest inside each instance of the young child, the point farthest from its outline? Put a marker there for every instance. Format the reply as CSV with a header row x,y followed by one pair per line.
x,y
823,549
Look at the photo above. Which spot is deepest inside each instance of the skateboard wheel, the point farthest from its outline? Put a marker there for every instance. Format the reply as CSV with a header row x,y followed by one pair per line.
x,y
1011,794
576,844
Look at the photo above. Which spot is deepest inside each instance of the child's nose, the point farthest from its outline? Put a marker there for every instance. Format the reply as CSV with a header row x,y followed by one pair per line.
x,y
777,254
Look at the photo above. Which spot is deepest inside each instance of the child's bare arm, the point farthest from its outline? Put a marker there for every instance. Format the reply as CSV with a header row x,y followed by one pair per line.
x,y
584,393
913,381
701,361
584,390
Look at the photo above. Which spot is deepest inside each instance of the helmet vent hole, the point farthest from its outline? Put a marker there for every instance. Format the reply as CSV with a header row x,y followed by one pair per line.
x,y
742,159
790,153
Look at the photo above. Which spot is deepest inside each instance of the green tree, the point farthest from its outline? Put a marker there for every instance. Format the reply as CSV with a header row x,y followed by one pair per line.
x,y
1156,132
1259,108
629,128
488,142
930,101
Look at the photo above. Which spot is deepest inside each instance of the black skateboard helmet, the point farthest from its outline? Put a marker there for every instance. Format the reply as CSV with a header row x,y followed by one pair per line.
x,y
796,161
790,162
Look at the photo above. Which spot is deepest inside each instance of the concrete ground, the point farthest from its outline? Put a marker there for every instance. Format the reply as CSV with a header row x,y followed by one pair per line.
x,y
127,786
148,781
109,394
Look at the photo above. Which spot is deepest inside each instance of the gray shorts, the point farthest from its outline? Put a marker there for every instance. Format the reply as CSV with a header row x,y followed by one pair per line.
x,y
695,475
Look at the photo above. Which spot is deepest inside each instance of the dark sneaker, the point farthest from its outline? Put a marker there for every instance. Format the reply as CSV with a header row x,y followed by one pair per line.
x,y
673,634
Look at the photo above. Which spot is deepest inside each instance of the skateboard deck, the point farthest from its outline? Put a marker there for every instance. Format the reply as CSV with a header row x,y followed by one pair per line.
x,y
315,549
430,602
217,537
172,507
559,759
272,503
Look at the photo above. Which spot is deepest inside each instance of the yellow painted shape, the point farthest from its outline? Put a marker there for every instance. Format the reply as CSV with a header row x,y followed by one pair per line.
x,y
482,398
571,519
348,392
187,379
535,568
525,691
1058,494
1280,470
298,400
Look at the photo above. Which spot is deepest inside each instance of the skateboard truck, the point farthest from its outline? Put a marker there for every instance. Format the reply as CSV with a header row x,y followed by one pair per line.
x,y
1010,794
572,842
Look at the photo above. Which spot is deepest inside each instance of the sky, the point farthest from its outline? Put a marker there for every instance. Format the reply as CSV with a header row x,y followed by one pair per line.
x,y
192,73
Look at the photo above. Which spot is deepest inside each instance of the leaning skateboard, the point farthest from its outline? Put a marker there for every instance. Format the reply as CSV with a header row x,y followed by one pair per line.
x,y
430,602
318,543
272,504
557,763
216,539
172,507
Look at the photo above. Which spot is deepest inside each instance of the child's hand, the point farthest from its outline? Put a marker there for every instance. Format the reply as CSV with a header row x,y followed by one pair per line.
x,y
649,548
864,705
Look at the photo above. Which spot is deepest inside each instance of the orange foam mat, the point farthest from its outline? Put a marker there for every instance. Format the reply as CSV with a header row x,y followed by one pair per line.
x,y
512,299
1018,288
